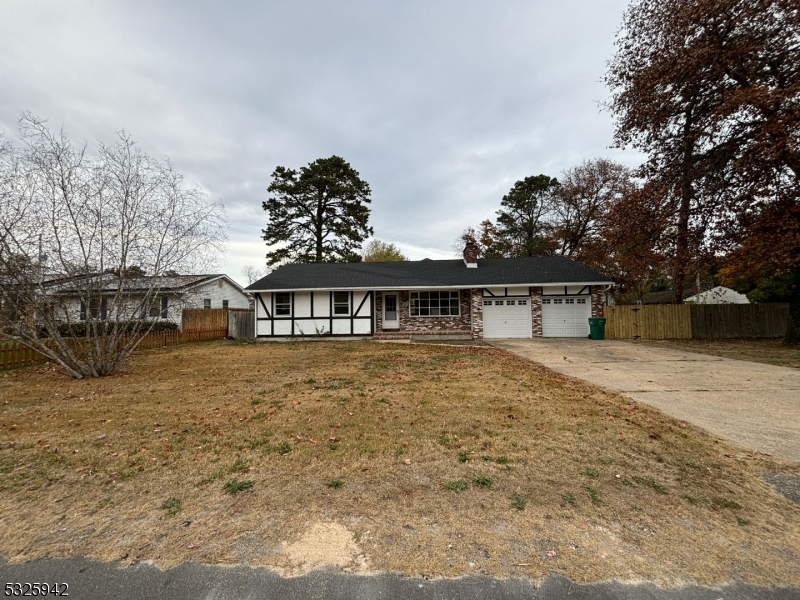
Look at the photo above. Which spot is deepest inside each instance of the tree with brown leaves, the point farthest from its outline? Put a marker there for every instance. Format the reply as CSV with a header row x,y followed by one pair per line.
x,y
710,91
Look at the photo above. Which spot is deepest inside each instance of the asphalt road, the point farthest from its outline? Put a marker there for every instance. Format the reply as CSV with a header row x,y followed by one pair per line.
x,y
90,580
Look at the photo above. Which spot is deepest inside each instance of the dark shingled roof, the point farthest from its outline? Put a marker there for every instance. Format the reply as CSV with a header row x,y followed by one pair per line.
x,y
429,273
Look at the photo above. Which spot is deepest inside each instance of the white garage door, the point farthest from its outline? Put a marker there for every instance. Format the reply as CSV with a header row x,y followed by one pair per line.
x,y
566,317
506,318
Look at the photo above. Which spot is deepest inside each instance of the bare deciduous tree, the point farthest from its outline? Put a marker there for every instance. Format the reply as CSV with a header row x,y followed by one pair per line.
x,y
78,231
253,274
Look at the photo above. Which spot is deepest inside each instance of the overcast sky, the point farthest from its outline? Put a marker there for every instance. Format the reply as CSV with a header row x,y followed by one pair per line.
x,y
440,105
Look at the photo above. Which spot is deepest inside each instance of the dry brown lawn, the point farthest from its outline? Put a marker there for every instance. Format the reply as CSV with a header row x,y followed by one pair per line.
x,y
419,459
769,351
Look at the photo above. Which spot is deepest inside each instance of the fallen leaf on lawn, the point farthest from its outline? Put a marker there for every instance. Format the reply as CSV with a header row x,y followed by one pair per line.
x,y
407,461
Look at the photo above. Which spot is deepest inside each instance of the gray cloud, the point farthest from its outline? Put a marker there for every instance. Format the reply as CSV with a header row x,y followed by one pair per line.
x,y
440,105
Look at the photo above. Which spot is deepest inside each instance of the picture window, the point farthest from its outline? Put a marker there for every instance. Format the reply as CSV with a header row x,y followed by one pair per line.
x,y
435,304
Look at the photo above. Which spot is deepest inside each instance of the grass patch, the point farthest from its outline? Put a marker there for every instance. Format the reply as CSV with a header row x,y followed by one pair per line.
x,y
456,486
234,486
651,483
482,481
240,466
172,506
213,477
518,501
594,496
335,484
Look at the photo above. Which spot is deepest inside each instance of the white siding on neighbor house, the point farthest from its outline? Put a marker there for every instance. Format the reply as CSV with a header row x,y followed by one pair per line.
x,y
216,291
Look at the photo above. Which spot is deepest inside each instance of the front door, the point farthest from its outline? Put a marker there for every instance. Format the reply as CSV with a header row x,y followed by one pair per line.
x,y
391,316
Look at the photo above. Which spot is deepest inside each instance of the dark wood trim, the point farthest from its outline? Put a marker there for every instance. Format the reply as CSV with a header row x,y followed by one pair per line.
x,y
358,310
312,304
330,313
372,310
264,306
488,291
505,291
292,309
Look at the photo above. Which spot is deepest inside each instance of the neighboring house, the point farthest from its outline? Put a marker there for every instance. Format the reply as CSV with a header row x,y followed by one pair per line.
x,y
716,295
172,295
469,298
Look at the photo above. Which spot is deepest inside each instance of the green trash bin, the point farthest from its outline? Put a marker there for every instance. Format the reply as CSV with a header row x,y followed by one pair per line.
x,y
597,329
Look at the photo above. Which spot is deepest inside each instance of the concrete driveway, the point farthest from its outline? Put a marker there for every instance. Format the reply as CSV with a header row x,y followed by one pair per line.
x,y
753,405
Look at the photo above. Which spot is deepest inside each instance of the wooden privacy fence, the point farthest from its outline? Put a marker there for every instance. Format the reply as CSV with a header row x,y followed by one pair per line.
x,y
739,320
14,354
204,319
684,321
648,322
242,324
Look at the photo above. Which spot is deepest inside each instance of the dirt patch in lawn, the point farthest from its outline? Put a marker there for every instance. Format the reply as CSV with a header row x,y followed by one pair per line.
x,y
420,459
770,351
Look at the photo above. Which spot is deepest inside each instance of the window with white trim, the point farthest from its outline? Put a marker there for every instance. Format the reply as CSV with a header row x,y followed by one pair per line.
x,y
207,303
341,303
435,304
224,304
283,305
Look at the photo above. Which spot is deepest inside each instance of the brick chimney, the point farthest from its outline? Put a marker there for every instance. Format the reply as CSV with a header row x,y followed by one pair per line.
x,y
471,255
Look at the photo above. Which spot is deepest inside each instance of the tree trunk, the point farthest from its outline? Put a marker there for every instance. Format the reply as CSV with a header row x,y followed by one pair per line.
x,y
793,328
682,241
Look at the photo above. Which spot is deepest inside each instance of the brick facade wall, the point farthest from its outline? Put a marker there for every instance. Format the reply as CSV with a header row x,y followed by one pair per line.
x,y
536,311
424,325
477,314
597,300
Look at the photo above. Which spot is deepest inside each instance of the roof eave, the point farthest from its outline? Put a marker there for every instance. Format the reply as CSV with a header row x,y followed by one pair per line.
x,y
400,288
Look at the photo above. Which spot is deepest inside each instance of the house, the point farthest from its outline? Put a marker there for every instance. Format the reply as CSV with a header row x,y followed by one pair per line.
x,y
716,295
169,295
551,296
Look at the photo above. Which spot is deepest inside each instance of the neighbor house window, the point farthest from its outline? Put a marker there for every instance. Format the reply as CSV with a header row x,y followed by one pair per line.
x,y
206,302
224,304
435,304
283,305
341,303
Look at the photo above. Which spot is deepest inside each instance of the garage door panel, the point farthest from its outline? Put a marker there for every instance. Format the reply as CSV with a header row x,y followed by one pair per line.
x,y
565,317
506,318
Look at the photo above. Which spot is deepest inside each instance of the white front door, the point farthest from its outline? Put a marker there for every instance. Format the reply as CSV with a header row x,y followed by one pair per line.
x,y
391,314
566,317
506,318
